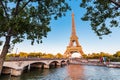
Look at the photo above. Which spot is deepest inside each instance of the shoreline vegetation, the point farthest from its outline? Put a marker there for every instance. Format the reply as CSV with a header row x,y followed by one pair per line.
x,y
95,59
108,56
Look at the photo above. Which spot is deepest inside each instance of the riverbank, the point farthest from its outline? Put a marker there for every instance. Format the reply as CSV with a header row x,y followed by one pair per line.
x,y
109,65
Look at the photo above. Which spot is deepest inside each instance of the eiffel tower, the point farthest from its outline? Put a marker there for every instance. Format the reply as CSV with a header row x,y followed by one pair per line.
x,y
71,48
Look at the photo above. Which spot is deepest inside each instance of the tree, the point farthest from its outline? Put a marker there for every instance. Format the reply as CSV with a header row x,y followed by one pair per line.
x,y
100,13
49,55
117,54
27,19
10,55
34,54
23,55
59,55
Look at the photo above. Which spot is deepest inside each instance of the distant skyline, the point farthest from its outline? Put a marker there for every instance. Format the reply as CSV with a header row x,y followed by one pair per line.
x,y
59,37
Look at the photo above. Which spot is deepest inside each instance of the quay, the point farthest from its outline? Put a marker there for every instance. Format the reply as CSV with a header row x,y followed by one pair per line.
x,y
94,62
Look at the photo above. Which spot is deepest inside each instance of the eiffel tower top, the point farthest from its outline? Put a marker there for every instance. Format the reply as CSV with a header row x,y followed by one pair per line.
x,y
73,26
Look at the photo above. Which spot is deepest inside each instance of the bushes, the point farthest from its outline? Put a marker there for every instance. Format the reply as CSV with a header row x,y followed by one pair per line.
x,y
115,57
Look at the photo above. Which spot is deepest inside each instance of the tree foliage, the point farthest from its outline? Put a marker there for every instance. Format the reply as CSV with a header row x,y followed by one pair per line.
x,y
34,55
102,14
117,54
59,55
98,55
110,56
23,54
29,19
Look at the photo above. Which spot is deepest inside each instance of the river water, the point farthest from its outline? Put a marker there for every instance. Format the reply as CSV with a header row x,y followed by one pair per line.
x,y
69,72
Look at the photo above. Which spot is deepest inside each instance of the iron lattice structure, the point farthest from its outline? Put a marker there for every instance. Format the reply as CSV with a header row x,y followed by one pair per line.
x,y
74,45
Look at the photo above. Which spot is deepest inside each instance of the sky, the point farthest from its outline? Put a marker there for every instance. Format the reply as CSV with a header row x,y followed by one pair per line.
x,y
59,37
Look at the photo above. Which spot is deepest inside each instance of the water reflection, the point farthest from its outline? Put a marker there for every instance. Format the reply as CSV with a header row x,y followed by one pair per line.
x,y
76,72
8,77
70,72
101,73
45,74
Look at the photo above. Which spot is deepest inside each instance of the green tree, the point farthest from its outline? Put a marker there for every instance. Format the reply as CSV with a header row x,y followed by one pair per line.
x,y
59,55
117,54
49,55
100,13
23,55
98,55
32,54
84,56
39,54
10,55
44,55
27,19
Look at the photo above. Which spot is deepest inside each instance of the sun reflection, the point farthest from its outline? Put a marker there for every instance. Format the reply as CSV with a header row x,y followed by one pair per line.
x,y
76,72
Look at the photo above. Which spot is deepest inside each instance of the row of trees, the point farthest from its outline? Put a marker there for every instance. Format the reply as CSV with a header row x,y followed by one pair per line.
x,y
112,57
34,55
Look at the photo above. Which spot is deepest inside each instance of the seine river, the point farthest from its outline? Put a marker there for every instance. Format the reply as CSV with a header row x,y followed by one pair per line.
x,y
69,72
